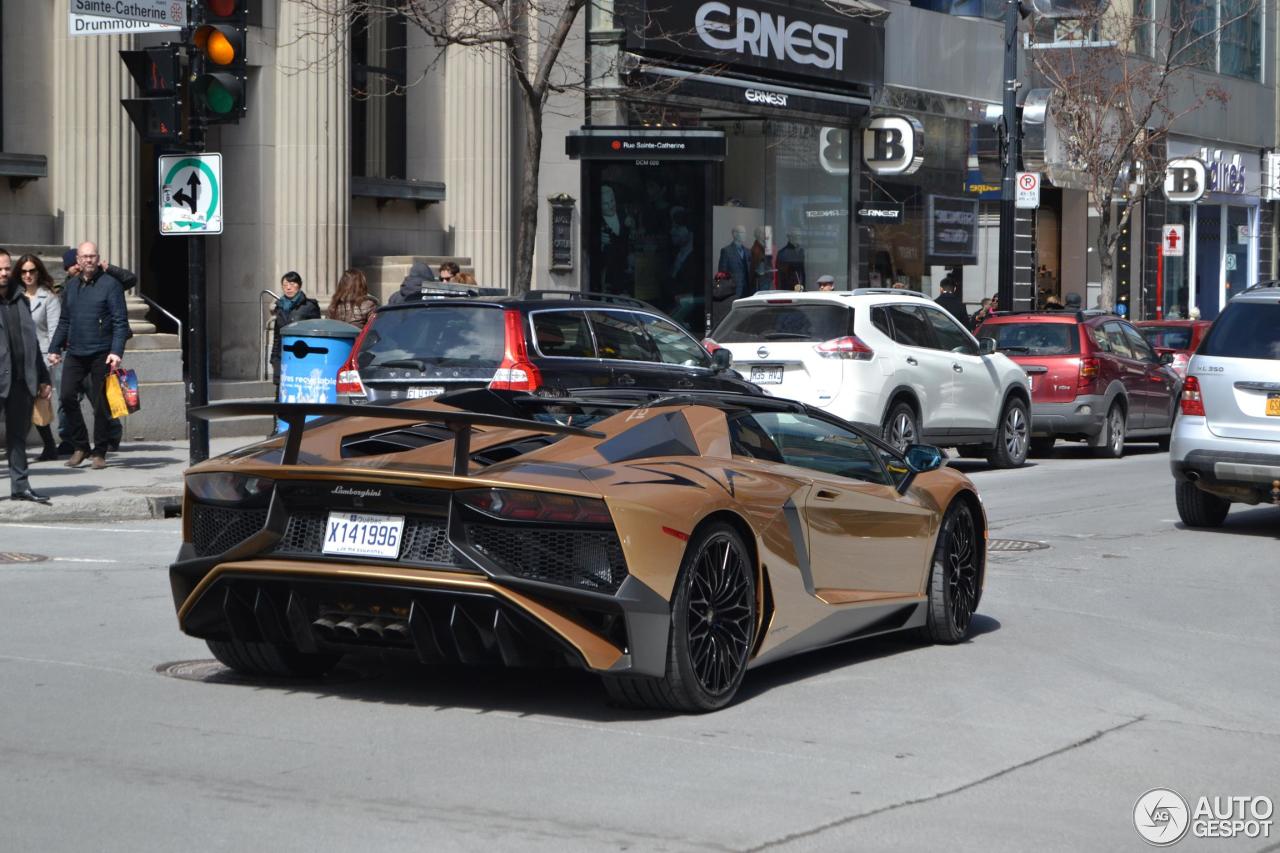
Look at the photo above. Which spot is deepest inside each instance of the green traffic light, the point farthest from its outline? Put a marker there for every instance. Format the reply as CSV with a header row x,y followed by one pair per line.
x,y
218,98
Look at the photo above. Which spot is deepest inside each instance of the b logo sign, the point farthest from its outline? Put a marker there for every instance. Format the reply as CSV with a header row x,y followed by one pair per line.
x,y
893,145
1185,180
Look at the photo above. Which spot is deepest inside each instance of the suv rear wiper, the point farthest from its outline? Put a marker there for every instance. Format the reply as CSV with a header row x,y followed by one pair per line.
x,y
416,363
1013,348
787,336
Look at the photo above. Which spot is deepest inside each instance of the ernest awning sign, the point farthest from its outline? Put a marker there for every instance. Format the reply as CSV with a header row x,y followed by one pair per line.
x,y
190,194
164,12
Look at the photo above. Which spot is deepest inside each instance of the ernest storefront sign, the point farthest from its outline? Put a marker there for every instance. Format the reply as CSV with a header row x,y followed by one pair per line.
x,y
805,40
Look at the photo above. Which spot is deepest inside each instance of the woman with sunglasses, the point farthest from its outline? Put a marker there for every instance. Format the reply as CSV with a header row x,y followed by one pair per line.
x,y
46,310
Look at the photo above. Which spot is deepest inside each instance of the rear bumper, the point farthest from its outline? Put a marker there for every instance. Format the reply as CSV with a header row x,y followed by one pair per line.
x,y
1082,416
1230,467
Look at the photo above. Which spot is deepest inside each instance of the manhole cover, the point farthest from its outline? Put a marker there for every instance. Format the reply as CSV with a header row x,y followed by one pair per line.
x,y
1015,545
15,557
212,672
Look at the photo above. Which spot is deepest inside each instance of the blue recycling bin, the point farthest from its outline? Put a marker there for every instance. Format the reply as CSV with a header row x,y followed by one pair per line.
x,y
311,354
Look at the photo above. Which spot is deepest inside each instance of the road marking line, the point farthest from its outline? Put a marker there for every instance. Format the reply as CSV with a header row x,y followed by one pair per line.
x,y
81,560
75,527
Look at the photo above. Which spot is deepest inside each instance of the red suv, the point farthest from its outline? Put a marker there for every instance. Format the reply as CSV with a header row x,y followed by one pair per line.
x,y
1094,378
1180,338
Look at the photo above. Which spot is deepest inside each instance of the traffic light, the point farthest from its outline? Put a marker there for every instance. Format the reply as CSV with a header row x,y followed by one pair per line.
x,y
158,113
218,91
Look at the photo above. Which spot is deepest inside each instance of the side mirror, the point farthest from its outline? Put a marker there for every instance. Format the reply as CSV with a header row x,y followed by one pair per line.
x,y
924,457
986,346
1105,346
721,360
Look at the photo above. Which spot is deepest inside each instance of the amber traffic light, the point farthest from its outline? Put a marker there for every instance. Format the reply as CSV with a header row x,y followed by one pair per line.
x,y
218,90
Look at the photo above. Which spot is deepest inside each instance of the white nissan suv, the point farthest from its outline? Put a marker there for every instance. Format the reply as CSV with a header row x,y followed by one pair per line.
x,y
892,360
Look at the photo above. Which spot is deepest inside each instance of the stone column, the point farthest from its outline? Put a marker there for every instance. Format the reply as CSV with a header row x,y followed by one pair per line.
x,y
480,152
94,168
312,185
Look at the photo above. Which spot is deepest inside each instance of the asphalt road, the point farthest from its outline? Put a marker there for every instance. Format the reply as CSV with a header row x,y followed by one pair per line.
x,y
1128,654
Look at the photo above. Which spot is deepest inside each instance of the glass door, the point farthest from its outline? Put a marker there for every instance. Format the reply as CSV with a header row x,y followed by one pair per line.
x,y
1208,262
1238,242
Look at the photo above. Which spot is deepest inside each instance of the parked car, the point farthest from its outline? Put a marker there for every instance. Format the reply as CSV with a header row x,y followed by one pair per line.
x,y
1094,378
668,548
1226,444
1178,338
890,360
545,341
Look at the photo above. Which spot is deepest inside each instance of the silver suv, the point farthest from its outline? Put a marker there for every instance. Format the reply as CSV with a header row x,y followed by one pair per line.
x,y
1226,442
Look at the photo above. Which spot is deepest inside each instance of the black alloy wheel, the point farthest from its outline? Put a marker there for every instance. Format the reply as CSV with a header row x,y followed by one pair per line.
x,y
1111,441
1012,437
901,428
955,583
713,626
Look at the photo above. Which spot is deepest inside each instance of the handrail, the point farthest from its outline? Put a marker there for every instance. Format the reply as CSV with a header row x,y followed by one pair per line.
x,y
264,351
161,309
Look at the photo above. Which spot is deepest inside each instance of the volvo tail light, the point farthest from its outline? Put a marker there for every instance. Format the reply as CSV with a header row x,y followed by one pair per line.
x,y
1088,372
850,347
517,505
516,372
1192,403
349,381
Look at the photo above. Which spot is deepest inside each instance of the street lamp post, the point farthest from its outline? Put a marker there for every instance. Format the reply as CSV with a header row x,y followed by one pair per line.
x,y
1012,155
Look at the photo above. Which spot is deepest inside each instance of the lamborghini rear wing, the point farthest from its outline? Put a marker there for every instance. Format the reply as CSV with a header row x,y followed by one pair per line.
x,y
459,423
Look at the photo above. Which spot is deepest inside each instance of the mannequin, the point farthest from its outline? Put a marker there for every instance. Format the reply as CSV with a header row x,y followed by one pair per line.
x,y
734,260
791,263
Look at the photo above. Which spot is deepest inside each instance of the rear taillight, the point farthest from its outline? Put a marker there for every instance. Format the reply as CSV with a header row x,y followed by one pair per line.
x,y
709,345
518,505
516,372
848,347
1088,372
349,381
1192,402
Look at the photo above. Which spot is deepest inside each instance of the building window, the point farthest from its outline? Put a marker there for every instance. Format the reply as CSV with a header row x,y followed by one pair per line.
x,y
378,104
1220,35
992,10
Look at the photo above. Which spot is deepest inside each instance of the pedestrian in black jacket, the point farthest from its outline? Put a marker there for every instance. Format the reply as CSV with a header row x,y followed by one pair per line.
x,y
293,306
951,301
23,378
420,275
92,332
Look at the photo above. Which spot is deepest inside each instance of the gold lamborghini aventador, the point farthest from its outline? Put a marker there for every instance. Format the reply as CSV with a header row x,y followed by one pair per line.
x,y
668,543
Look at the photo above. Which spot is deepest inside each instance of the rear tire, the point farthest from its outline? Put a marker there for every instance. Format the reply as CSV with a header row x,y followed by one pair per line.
x,y
1111,440
1012,436
270,659
713,627
1198,508
955,580
1043,445
901,426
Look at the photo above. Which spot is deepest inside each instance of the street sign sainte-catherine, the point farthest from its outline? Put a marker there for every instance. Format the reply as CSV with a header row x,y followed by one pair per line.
x,y
190,194
171,12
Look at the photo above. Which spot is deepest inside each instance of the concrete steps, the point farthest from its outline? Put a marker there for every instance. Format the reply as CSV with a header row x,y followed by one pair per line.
x,y
241,390
386,272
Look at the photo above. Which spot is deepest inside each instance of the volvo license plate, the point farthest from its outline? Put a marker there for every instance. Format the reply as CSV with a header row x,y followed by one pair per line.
x,y
1273,405
766,374
354,534
422,393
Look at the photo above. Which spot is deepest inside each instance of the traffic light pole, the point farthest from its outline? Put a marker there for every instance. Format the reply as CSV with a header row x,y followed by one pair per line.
x,y
197,321
1012,157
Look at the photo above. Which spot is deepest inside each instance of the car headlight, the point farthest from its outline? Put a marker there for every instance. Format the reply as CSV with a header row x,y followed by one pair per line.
x,y
229,489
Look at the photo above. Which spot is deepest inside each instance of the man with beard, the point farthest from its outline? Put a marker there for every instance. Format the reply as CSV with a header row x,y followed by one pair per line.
x,y
23,378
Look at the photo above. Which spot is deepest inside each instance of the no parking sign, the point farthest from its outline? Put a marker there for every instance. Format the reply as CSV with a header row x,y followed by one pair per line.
x,y
1028,191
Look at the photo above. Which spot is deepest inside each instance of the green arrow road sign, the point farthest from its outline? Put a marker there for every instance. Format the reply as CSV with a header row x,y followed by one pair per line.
x,y
190,194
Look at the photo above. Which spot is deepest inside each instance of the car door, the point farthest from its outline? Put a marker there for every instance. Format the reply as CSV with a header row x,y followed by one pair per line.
x,y
1133,375
866,541
624,345
686,361
974,390
1162,387
565,351
922,366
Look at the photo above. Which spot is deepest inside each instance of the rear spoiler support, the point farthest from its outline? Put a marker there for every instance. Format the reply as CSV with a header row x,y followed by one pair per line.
x,y
459,423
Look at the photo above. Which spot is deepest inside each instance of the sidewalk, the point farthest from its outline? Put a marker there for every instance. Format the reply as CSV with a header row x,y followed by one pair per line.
x,y
143,480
